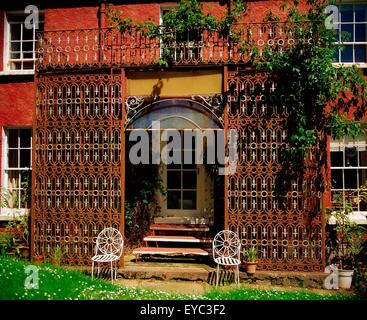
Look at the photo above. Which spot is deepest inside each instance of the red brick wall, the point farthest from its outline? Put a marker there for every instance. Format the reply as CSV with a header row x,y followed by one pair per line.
x,y
16,103
71,18
137,12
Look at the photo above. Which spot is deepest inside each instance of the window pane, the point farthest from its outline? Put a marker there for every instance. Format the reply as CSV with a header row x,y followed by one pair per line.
x,y
25,138
189,200
347,32
13,159
336,56
346,13
173,199
363,158
360,12
360,33
362,176
189,180
337,179
13,138
27,34
25,179
360,53
347,54
351,157
15,31
350,179
25,158
28,65
13,179
25,186
173,179
15,50
336,159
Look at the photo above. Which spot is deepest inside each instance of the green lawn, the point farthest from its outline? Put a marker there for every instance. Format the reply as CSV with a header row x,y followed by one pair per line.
x,y
56,283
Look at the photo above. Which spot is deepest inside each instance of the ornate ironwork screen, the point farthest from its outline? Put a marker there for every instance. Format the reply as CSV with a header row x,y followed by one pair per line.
x,y
282,217
78,173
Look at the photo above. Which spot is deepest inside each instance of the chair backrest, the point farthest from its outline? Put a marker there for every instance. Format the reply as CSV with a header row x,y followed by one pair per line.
x,y
226,244
110,241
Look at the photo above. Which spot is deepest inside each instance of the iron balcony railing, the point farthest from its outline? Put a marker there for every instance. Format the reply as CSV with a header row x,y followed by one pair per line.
x,y
109,47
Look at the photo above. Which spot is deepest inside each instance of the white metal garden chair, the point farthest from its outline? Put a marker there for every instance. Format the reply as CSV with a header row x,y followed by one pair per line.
x,y
108,249
226,252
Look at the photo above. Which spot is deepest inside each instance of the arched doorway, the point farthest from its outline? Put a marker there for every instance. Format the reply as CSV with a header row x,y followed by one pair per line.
x,y
189,186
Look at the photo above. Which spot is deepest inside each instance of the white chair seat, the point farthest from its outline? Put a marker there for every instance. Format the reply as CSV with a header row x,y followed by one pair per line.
x,y
227,261
105,258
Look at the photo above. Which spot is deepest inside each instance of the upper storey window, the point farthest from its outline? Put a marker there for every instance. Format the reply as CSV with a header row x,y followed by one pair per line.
x,y
352,33
20,42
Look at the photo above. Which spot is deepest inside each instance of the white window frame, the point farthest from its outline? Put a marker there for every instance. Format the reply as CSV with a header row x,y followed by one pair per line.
x,y
9,213
6,56
358,64
340,146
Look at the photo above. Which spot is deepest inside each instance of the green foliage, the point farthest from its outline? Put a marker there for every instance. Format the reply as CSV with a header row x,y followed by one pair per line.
x,y
349,242
56,255
250,254
57,283
272,294
5,243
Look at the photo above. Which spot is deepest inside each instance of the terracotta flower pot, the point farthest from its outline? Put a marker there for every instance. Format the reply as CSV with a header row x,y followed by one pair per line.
x,y
250,267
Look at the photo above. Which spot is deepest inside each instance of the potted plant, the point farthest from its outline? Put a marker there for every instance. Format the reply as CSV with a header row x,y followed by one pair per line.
x,y
348,245
250,261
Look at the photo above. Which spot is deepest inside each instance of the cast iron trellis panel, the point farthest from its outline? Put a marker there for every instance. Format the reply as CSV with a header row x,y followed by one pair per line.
x,y
281,216
78,165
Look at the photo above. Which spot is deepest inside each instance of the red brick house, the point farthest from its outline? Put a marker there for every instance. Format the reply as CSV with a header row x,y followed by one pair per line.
x,y
65,118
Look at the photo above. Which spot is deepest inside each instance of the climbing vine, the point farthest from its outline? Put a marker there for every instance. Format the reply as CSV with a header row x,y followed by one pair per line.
x,y
322,95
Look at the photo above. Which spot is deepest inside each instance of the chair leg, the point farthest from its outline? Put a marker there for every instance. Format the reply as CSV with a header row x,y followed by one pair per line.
x,y
217,278
92,268
111,271
98,270
238,275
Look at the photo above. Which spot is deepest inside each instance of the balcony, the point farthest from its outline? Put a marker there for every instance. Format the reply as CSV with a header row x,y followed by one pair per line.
x,y
91,48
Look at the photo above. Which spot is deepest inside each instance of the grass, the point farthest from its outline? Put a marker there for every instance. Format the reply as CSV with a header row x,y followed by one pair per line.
x,y
56,283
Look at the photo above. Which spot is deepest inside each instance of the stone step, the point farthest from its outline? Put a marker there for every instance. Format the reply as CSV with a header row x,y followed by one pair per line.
x,y
164,238
179,227
170,251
